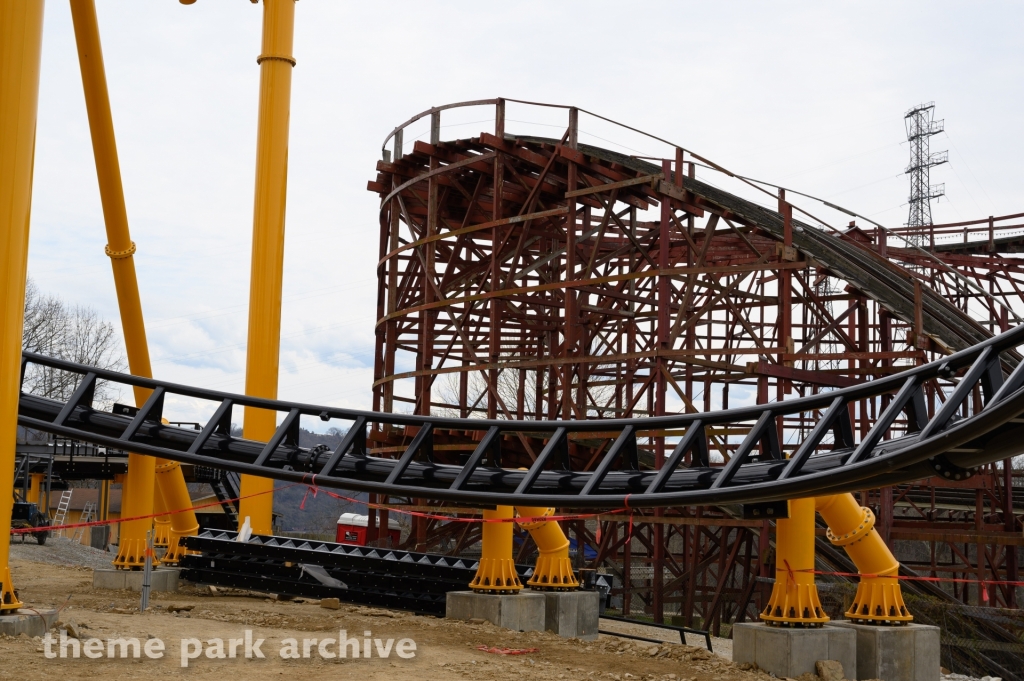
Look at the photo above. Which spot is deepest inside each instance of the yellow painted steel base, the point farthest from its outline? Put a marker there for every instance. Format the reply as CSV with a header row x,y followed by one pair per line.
x,y
794,600
497,571
176,497
137,500
8,597
879,599
553,571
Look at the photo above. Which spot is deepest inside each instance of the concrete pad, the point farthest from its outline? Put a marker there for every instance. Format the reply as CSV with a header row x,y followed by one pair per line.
x,y
162,579
572,614
792,651
908,652
523,611
35,622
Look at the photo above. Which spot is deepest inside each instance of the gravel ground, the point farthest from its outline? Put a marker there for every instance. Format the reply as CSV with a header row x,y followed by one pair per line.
x,y
60,551
444,649
722,646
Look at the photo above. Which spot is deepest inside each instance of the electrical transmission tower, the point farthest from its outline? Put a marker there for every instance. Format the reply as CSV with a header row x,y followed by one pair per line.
x,y
921,125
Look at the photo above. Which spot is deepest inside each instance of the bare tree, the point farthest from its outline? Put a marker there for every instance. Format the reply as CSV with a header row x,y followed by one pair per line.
x,y
512,386
74,333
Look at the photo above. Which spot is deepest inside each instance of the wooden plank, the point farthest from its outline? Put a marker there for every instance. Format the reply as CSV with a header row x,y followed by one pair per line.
x,y
764,368
614,185
671,272
821,356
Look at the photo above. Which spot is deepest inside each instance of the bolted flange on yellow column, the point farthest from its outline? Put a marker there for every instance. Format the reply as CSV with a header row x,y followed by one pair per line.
x,y
497,571
794,600
553,571
879,599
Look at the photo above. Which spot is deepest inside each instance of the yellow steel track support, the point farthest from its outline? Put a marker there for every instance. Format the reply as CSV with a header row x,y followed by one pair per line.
x,y
261,369
497,571
37,483
794,600
162,522
21,41
553,570
175,497
879,598
120,248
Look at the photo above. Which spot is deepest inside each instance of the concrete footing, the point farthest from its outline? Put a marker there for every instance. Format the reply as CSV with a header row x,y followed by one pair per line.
x,y
909,652
572,614
792,651
35,622
162,579
523,611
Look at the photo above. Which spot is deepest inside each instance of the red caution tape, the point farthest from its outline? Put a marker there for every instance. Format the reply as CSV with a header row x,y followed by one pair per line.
x,y
985,583
455,518
97,523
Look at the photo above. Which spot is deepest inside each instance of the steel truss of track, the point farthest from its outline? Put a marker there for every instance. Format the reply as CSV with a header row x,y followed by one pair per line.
x,y
373,576
950,443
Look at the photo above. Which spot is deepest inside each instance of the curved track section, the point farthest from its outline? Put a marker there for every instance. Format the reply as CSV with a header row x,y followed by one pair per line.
x,y
871,273
904,444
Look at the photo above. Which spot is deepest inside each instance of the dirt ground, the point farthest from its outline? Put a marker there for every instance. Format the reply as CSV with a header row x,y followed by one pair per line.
x,y
444,649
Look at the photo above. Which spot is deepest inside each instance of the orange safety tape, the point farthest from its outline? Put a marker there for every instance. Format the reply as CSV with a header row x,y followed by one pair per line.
x,y
97,523
312,488
917,578
452,518
789,572
462,519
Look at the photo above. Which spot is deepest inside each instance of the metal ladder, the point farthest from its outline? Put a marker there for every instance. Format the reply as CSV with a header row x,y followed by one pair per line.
x,y
62,510
226,487
88,511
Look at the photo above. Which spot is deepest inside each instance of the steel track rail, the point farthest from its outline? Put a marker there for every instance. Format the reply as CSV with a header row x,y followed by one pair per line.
x,y
943,444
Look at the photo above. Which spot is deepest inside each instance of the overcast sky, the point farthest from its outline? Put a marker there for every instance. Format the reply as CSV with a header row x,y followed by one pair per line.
x,y
807,95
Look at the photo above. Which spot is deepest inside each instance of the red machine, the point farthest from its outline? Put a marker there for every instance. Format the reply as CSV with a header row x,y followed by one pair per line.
x,y
352,529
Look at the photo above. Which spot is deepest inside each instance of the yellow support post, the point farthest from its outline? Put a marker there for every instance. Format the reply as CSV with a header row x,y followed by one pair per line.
x,y
497,571
161,523
879,598
175,497
264,348
553,570
37,482
794,600
21,42
121,249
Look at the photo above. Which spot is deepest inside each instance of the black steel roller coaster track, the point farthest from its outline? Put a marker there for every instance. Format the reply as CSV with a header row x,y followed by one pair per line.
x,y
757,471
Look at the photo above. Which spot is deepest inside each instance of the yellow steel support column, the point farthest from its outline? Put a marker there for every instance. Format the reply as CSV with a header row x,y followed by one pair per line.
x,y
497,571
21,42
120,248
878,597
261,367
175,497
794,600
553,570
161,523
37,482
